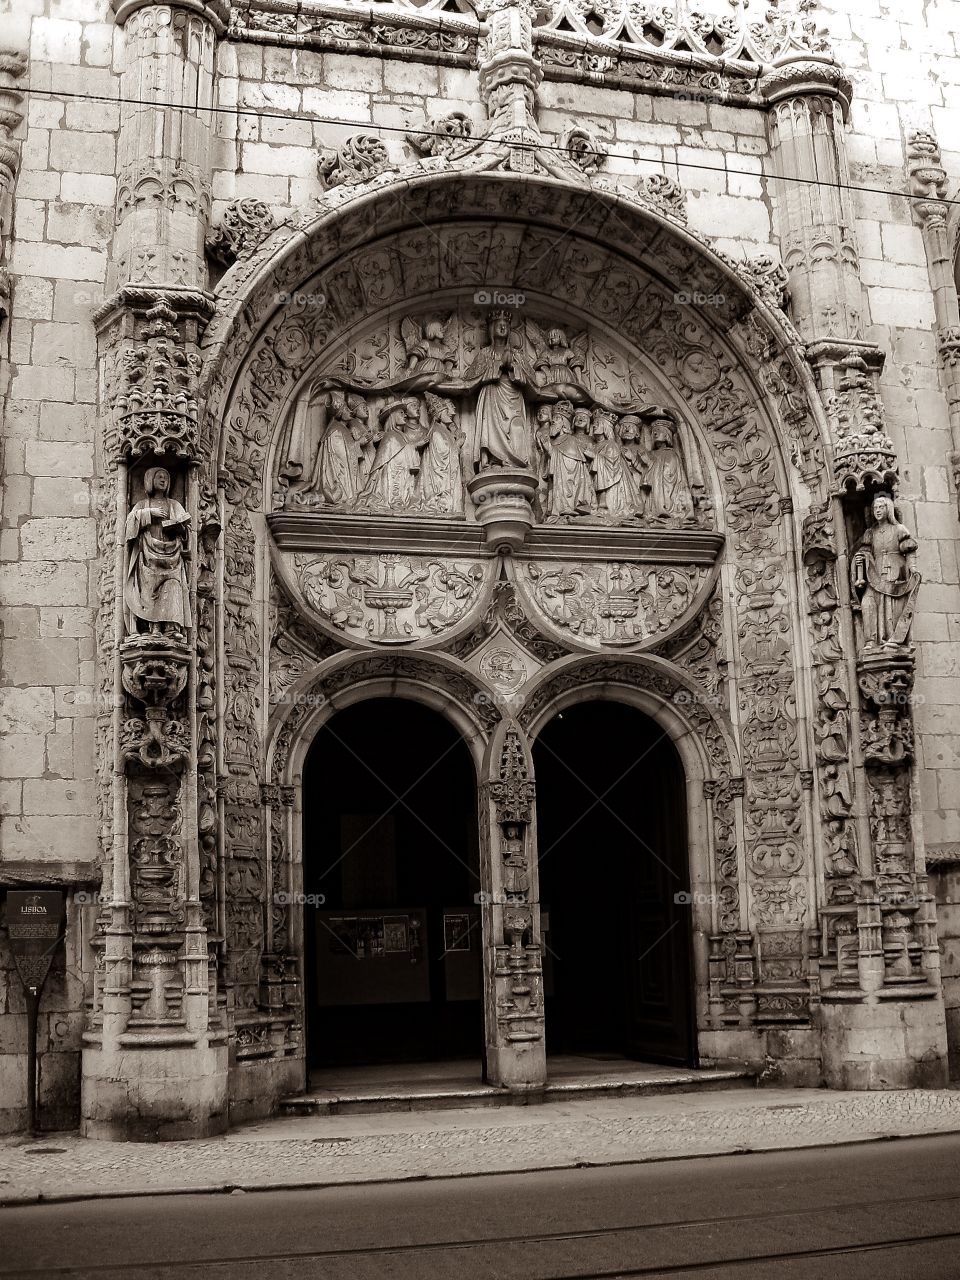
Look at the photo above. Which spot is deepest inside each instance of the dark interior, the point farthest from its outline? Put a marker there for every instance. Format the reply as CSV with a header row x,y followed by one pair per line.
x,y
613,856
393,952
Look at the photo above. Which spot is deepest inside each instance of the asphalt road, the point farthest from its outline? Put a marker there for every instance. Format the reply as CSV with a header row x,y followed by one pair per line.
x,y
879,1210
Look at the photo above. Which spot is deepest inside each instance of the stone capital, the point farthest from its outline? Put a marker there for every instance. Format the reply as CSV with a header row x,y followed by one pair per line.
x,y
807,76
217,12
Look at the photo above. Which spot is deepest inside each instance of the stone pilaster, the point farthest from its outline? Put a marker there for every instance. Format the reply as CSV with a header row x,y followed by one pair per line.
x,y
13,64
510,913
928,188
155,1058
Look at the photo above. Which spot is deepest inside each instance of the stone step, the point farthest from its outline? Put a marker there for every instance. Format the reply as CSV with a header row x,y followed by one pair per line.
x,y
368,1099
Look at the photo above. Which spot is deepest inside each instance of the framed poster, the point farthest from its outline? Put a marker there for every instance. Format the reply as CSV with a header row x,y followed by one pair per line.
x,y
395,934
456,932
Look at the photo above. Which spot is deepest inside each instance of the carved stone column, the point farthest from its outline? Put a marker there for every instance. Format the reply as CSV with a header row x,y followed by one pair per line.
x,y
155,1057
809,98
928,187
13,64
510,914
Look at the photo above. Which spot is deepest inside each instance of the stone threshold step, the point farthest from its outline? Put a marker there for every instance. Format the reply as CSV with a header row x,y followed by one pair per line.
x,y
371,1099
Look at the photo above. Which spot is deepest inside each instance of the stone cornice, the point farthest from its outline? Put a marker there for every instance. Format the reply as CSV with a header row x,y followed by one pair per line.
x,y
305,531
720,59
139,299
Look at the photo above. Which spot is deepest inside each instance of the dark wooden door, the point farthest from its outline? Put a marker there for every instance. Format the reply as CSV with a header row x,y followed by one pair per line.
x,y
614,883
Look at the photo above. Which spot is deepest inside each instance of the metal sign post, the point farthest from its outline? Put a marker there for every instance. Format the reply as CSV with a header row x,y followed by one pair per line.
x,y
35,920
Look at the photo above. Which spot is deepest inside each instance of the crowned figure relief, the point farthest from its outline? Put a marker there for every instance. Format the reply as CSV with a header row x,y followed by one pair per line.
x,y
502,437
392,483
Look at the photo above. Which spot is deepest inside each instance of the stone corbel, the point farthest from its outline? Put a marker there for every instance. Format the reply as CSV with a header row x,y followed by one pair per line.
x,y
886,687
155,673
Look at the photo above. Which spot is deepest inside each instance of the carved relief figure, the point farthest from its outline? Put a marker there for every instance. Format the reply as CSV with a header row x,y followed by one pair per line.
x,y
391,484
668,494
571,491
440,488
558,365
883,577
156,595
428,349
336,478
630,435
502,436
618,491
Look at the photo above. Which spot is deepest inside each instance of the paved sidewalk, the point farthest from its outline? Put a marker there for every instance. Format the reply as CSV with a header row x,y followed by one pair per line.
x,y
335,1150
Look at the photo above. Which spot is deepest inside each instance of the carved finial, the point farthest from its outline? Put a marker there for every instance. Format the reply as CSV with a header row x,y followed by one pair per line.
x,y
928,179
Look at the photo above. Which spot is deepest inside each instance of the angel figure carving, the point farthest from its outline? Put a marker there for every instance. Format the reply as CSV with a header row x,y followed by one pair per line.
x,y
558,365
440,486
428,348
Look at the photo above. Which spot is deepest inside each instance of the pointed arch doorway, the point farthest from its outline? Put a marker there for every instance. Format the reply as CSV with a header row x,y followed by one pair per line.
x,y
614,886
392,944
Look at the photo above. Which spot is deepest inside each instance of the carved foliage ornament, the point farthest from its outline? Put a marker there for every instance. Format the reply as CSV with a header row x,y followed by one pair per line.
x,y
390,598
243,225
154,398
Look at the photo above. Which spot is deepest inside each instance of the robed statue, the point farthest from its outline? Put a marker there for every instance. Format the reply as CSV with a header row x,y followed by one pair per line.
x,y
884,580
502,436
156,593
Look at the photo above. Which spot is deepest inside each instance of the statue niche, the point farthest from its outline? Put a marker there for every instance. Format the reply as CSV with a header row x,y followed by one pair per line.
x,y
884,581
156,593
437,402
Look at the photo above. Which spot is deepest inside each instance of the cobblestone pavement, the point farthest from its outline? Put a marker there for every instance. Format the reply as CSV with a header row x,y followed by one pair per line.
x,y
387,1147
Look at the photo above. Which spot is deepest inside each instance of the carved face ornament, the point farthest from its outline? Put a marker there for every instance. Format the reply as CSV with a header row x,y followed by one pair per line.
x,y
156,480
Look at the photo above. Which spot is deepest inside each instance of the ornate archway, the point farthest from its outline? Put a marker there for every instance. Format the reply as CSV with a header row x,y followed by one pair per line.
x,y
479,575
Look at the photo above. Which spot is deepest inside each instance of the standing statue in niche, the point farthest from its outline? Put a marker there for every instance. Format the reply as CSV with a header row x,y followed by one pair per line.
x,y
440,488
391,485
669,499
883,577
156,594
502,438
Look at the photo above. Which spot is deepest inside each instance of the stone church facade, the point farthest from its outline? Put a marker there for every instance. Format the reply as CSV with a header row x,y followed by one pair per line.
x,y
498,359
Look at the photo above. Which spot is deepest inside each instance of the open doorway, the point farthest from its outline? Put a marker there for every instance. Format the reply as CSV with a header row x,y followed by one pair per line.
x,y
392,946
614,881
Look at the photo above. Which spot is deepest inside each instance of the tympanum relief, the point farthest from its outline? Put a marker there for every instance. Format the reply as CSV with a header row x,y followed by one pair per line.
x,y
390,598
402,421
